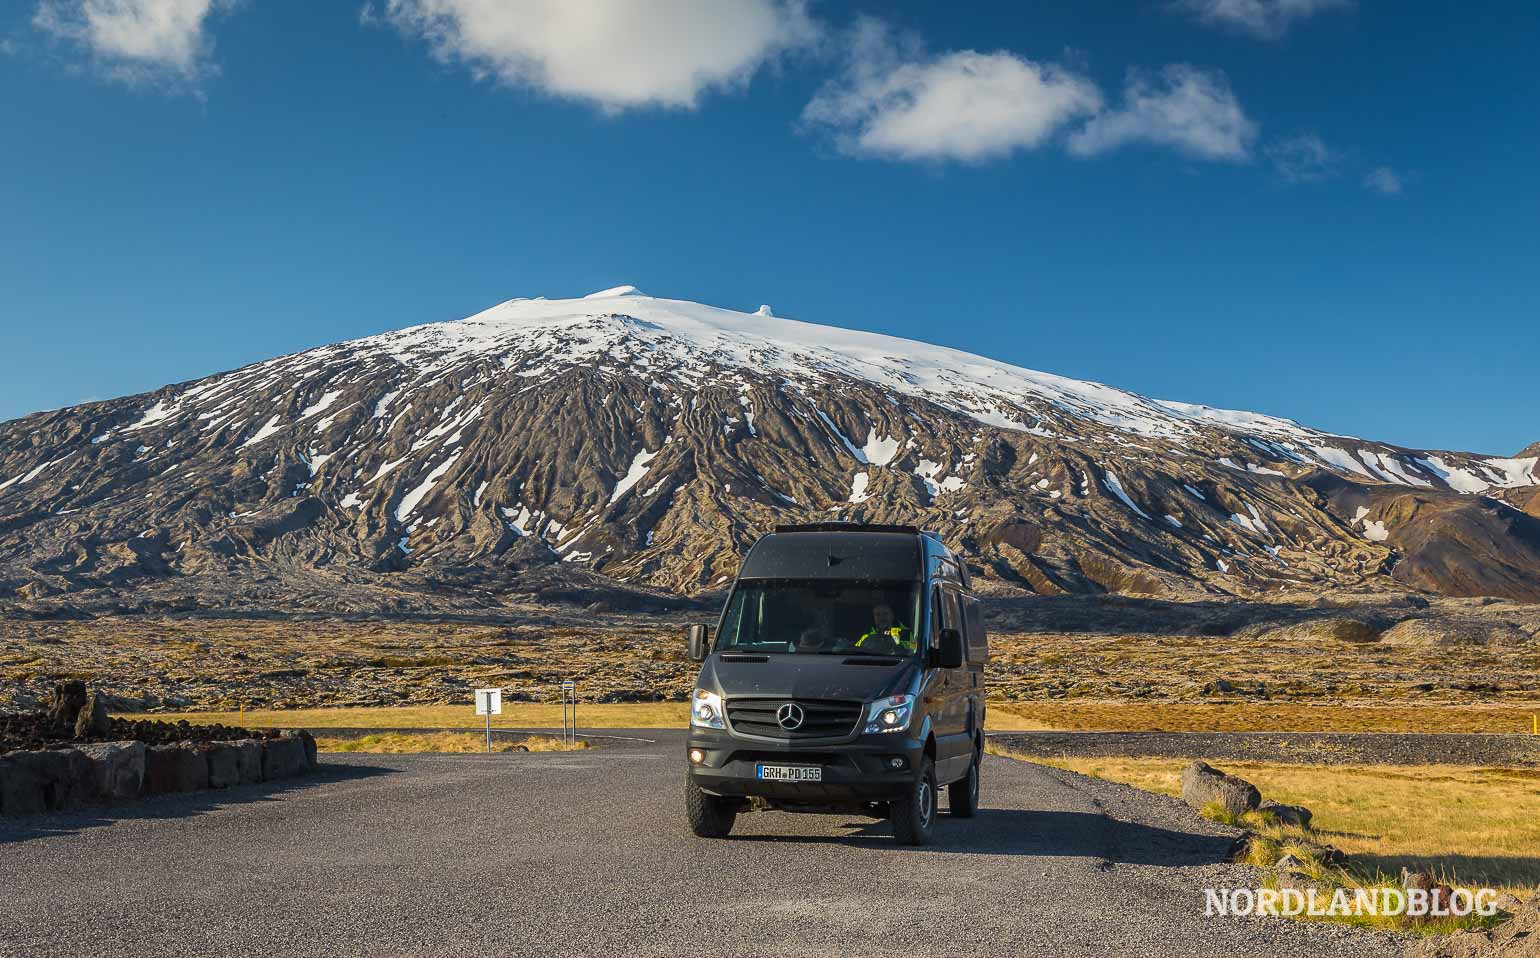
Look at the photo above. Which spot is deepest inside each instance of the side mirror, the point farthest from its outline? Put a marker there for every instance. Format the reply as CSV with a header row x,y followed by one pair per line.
x,y
697,642
950,655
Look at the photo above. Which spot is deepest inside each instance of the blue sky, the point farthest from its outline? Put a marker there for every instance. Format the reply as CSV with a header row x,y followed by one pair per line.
x,y
1311,208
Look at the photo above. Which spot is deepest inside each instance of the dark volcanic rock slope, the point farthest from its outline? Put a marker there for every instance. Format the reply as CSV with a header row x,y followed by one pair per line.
x,y
651,440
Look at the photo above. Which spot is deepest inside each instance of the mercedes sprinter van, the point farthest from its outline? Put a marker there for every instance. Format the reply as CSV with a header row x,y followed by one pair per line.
x,y
846,675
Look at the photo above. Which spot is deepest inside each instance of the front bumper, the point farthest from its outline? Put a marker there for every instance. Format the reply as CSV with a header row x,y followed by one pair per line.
x,y
858,770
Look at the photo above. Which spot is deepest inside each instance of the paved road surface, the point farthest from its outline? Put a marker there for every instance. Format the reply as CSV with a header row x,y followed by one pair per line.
x,y
587,854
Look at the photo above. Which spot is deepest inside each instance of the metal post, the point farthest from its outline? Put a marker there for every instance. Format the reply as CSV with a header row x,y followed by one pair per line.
x,y
489,728
568,697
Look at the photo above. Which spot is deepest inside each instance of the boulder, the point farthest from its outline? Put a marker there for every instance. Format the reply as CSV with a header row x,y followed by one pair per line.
x,y
224,759
175,768
283,757
1297,815
248,760
312,756
1438,893
117,769
65,702
44,781
92,721
1202,784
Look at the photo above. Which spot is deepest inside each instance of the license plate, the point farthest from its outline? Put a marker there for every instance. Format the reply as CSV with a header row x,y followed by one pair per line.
x,y
790,773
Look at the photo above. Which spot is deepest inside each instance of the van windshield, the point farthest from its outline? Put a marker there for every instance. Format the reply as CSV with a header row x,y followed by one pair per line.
x,y
822,616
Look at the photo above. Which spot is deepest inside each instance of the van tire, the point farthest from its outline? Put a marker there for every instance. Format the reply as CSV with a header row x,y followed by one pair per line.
x,y
914,815
711,816
962,796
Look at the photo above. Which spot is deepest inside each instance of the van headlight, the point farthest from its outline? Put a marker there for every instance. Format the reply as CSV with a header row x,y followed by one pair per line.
x,y
706,710
891,714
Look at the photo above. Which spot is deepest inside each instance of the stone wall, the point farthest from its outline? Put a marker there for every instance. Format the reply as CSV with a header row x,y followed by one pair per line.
x,y
61,779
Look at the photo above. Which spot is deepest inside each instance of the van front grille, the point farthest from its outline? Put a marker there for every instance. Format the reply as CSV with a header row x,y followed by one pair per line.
x,y
821,718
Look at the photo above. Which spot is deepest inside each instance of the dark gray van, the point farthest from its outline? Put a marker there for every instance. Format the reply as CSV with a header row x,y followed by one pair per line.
x,y
846,675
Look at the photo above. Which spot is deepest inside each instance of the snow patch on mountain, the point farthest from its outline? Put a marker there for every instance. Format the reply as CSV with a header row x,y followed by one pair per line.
x,y
411,499
879,450
858,484
633,475
1117,490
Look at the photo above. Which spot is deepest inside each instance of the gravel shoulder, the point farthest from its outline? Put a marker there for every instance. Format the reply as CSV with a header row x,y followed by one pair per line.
x,y
1517,751
588,854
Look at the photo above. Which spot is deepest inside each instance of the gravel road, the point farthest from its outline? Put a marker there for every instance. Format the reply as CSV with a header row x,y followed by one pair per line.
x,y
588,854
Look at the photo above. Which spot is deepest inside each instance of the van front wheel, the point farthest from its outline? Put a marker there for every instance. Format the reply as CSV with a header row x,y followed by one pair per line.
x,y
914,815
711,816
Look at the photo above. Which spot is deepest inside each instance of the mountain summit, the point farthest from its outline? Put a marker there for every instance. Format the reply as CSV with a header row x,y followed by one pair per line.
x,y
651,440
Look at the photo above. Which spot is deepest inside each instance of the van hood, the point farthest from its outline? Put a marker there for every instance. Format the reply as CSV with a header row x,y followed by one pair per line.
x,y
807,676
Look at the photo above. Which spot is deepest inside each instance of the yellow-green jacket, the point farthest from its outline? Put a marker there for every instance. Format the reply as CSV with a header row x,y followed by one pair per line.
x,y
898,633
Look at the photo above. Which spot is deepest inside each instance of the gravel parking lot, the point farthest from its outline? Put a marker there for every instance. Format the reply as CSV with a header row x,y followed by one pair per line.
x,y
588,854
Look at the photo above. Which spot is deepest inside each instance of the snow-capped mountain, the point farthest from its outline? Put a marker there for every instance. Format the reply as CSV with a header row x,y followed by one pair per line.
x,y
650,440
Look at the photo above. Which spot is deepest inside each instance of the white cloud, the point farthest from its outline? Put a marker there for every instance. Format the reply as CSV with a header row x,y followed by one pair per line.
x,y
616,54
1384,180
137,40
894,101
1267,19
1303,159
1183,108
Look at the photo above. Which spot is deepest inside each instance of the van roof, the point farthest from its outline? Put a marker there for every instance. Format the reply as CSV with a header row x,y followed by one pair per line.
x,y
843,526
837,550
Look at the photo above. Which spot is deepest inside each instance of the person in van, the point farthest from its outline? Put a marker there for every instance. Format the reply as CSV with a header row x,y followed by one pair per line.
x,y
818,636
887,635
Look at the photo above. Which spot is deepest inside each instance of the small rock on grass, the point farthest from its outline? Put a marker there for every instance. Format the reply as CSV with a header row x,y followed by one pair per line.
x,y
1202,783
1297,815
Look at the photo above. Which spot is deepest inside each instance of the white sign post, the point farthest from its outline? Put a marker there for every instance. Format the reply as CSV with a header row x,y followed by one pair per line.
x,y
489,702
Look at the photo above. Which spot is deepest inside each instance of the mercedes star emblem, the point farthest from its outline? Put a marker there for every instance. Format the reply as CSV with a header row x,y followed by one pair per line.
x,y
789,716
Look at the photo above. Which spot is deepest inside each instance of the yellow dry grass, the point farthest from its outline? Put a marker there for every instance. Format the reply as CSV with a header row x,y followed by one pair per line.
x,y
1474,826
398,743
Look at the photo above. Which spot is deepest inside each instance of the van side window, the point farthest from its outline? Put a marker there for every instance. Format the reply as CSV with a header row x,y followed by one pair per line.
x,y
953,614
978,640
937,617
